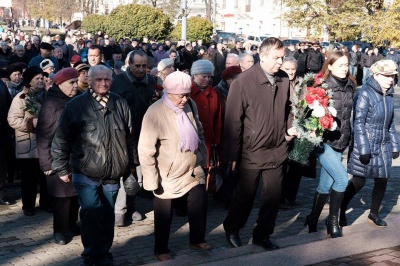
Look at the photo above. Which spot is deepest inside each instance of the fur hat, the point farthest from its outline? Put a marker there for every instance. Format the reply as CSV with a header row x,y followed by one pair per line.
x,y
178,83
13,68
45,64
202,67
65,74
230,72
164,63
30,73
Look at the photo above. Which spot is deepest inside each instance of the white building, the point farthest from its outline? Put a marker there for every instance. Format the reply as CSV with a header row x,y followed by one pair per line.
x,y
255,17
247,17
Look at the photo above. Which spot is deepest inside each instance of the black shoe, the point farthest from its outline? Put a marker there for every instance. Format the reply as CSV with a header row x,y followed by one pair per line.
x,y
7,202
29,212
60,239
87,261
267,244
234,240
376,220
46,209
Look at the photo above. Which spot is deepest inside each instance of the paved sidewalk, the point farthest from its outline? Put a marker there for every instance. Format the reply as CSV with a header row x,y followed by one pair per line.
x,y
29,240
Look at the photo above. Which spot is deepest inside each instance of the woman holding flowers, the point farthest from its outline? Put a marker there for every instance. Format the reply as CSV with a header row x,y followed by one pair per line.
x,y
336,135
376,142
22,117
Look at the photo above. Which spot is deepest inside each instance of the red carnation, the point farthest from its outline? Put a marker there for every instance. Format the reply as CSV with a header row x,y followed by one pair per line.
x,y
318,77
326,122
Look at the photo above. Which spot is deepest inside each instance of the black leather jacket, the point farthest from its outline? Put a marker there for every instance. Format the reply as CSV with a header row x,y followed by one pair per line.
x,y
99,139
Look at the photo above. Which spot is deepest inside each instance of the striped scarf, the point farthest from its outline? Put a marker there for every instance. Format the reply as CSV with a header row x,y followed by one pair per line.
x,y
100,99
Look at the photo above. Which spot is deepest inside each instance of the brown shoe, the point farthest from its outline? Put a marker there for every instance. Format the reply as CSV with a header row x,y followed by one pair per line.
x,y
201,246
163,257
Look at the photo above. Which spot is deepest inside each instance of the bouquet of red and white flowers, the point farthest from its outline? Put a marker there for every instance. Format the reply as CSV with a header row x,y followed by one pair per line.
x,y
313,113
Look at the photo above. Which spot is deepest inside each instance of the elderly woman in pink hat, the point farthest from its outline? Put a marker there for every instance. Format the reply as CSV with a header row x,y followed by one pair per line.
x,y
172,155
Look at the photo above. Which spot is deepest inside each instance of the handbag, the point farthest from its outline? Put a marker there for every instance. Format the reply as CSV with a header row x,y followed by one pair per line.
x,y
131,185
214,175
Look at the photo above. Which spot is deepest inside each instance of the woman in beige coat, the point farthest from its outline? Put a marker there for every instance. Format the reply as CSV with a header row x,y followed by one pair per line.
x,y
22,117
172,155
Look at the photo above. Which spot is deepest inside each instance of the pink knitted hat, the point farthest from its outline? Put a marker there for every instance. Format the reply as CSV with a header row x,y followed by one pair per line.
x,y
177,83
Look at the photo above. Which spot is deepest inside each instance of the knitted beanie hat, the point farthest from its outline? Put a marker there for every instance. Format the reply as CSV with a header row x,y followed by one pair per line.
x,y
65,74
164,63
178,83
202,67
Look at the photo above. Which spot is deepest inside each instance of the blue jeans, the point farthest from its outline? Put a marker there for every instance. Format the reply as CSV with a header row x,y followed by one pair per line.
x,y
366,74
353,70
97,220
333,174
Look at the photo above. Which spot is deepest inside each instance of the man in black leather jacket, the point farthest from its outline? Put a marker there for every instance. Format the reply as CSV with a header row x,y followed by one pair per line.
x,y
95,131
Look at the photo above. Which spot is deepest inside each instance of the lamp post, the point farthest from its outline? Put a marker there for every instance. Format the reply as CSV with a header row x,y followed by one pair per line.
x,y
184,18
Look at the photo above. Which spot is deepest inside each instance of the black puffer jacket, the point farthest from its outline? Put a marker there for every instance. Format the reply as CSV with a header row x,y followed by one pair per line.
x,y
301,58
343,92
315,60
99,139
374,132
355,58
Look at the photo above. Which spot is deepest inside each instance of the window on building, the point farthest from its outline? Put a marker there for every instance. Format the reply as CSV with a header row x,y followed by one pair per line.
x,y
236,3
223,4
261,2
248,6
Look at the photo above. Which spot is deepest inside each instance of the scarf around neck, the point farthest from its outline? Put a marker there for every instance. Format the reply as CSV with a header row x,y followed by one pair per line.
x,y
189,140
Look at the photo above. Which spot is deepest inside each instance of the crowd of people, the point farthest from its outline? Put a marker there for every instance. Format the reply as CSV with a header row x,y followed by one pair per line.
x,y
84,118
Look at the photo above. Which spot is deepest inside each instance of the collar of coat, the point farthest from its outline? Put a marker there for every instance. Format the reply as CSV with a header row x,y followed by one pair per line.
x,y
197,90
262,78
96,105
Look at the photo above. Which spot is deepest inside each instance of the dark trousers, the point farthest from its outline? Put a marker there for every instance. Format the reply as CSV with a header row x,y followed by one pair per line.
x,y
291,181
378,192
97,220
197,215
243,200
31,176
65,214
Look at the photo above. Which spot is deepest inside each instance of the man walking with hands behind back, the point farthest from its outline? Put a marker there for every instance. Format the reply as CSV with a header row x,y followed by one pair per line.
x,y
255,137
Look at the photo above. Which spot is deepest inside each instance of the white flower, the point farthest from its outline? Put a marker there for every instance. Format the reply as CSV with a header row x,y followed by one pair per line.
x,y
334,126
332,111
319,111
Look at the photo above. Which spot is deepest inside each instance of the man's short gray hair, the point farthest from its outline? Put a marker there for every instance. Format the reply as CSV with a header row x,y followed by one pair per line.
x,y
99,68
242,56
233,56
290,59
136,52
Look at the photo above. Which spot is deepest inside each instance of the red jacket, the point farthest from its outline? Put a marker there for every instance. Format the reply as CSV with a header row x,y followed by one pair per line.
x,y
210,115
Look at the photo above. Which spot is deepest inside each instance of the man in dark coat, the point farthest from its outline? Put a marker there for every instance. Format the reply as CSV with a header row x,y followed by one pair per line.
x,y
255,131
5,137
218,59
315,59
138,89
301,57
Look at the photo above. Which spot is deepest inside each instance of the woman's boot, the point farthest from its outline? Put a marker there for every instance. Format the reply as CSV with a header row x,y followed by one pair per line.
x,y
332,224
348,196
318,205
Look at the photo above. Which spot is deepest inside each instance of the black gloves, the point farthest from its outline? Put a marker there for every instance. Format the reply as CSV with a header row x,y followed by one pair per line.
x,y
364,158
395,155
